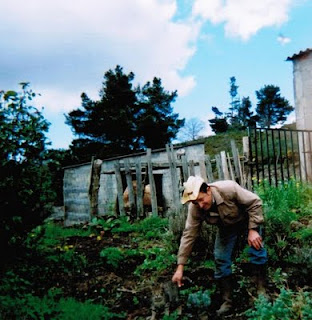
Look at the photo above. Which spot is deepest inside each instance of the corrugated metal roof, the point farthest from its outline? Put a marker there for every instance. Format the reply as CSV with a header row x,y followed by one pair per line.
x,y
301,53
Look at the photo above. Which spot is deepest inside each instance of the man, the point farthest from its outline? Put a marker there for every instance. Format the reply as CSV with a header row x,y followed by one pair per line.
x,y
235,211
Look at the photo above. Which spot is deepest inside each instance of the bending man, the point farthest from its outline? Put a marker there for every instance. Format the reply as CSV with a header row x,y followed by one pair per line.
x,y
235,211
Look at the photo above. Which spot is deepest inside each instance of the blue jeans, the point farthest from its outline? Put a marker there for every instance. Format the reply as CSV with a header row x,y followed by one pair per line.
x,y
226,240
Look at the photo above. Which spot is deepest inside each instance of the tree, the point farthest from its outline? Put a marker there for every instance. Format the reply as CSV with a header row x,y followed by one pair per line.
x,y
191,129
271,108
157,124
24,179
125,119
219,123
106,127
235,102
245,115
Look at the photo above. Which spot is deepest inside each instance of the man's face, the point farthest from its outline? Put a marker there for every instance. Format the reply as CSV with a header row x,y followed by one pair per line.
x,y
204,200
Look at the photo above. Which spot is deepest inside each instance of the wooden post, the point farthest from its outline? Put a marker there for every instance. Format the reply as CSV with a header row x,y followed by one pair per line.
x,y
202,169
248,183
130,187
219,167
232,175
174,180
152,182
140,189
185,169
209,168
95,186
224,165
119,189
236,161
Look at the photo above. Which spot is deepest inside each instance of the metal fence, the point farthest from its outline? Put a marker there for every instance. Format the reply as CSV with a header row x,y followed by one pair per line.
x,y
278,155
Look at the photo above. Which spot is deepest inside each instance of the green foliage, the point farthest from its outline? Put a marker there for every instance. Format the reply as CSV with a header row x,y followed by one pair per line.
x,y
125,119
112,256
222,141
199,300
156,259
67,260
271,108
25,181
86,311
50,235
287,306
51,306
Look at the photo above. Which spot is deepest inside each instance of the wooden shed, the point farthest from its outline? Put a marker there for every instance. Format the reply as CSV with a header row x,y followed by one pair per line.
x,y
93,189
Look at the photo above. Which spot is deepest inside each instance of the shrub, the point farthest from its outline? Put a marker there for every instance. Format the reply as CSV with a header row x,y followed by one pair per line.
x,y
287,306
112,256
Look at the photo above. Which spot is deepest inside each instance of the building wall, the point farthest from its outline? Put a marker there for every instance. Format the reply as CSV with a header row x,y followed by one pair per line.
x,y
76,194
302,79
77,182
302,69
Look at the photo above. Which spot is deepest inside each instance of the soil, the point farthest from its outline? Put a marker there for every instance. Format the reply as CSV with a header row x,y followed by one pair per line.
x,y
120,289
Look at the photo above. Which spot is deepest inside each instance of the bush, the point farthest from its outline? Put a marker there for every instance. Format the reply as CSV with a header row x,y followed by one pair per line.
x,y
287,306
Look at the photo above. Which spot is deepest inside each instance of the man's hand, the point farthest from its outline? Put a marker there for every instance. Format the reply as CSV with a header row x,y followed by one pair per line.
x,y
254,239
178,275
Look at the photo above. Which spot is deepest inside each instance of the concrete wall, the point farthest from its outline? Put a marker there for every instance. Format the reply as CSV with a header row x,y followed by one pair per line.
x,y
302,80
77,182
302,72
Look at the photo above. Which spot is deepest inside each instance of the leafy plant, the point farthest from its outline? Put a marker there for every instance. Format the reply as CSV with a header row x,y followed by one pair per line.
x,y
113,256
287,306
199,300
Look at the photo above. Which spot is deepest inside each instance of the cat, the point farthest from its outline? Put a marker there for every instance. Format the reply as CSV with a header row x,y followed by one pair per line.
x,y
165,296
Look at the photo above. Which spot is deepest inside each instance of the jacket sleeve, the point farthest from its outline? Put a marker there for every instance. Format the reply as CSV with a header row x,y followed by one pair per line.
x,y
252,205
190,233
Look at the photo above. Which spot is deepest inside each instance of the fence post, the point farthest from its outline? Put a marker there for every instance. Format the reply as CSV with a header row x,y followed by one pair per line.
x,y
152,182
140,189
224,165
94,186
236,161
219,167
202,168
174,180
246,151
130,187
185,169
119,189
209,168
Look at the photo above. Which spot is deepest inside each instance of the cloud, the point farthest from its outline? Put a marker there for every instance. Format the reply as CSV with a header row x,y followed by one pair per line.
x,y
242,18
283,40
65,47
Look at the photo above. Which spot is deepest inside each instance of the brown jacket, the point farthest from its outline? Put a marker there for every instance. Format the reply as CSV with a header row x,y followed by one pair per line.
x,y
234,204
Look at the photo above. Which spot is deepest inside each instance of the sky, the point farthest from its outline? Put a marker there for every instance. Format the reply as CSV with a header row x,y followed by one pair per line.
x,y
63,48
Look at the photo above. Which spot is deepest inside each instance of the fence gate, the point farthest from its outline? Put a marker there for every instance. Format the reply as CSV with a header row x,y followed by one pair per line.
x,y
278,155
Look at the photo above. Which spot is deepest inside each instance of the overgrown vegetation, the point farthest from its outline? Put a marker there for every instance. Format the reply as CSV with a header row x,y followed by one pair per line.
x,y
106,269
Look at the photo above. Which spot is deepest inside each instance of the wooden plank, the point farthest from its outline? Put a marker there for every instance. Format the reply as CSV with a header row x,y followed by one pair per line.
x,y
119,189
236,161
232,175
246,172
209,168
185,169
139,192
174,179
95,186
225,169
152,182
219,167
130,187
202,168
